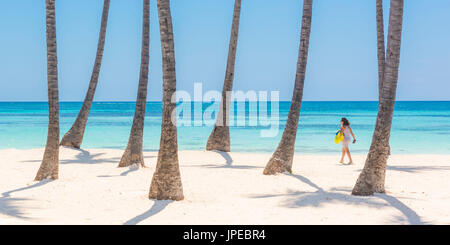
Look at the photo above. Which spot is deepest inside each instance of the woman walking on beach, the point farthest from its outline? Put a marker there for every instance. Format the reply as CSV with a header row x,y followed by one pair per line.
x,y
346,131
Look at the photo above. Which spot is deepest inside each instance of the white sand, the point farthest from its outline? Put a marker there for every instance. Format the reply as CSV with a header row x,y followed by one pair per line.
x,y
91,190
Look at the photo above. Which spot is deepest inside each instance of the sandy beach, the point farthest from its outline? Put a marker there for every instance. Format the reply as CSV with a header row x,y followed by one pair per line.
x,y
220,189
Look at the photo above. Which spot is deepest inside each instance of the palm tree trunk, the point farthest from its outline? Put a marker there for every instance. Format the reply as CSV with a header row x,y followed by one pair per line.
x,y
166,182
369,180
381,48
133,153
74,137
281,159
50,161
220,136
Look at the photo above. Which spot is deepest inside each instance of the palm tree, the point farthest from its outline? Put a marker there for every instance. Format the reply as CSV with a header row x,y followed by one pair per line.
x,y
371,178
74,137
50,161
133,153
281,159
220,136
381,47
166,181
381,53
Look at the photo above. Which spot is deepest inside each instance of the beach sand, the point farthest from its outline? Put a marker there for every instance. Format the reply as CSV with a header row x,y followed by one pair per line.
x,y
220,188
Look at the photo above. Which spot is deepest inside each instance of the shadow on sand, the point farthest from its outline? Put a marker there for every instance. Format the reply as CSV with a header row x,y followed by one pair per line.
x,y
414,169
85,157
225,156
9,206
320,196
131,169
157,207
228,163
227,166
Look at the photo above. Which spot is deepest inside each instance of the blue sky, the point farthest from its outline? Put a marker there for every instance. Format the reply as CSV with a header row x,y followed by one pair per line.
x,y
342,59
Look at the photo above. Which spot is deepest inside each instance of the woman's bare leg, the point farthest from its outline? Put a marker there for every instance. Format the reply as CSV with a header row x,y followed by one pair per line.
x,y
343,155
349,156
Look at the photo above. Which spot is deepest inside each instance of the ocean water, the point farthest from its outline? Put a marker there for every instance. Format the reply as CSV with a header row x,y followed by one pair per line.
x,y
418,127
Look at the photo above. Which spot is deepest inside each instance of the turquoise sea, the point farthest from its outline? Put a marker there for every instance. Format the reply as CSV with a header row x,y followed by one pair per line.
x,y
418,127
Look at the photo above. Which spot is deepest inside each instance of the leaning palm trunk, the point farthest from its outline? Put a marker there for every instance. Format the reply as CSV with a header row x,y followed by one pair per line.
x,y
220,136
49,165
166,181
381,48
370,180
133,153
281,160
74,137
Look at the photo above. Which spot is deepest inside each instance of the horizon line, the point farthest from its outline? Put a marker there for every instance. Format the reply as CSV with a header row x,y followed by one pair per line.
x,y
131,101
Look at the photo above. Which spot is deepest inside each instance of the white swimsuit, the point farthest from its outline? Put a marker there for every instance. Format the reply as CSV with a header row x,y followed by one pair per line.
x,y
347,138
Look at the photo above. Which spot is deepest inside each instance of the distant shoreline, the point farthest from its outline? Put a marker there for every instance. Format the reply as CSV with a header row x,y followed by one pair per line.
x,y
159,101
296,153
150,151
418,127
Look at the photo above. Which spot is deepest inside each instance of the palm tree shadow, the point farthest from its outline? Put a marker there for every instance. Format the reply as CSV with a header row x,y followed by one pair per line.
x,y
37,184
228,162
132,168
8,205
306,181
413,169
229,166
84,157
225,156
157,207
320,196
411,215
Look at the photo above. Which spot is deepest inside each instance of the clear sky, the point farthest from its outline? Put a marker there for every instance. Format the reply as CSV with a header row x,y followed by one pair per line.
x,y
342,61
